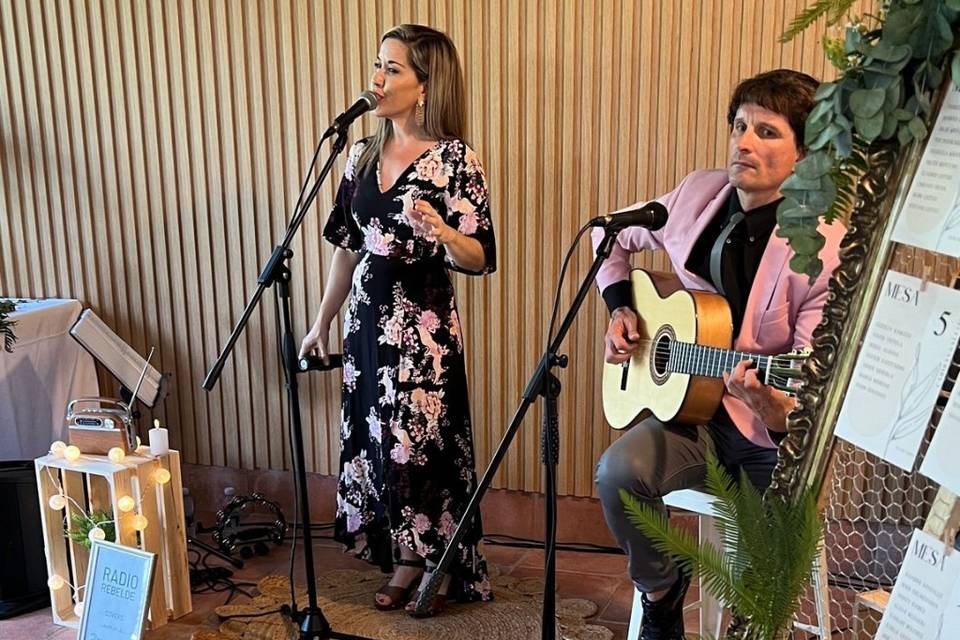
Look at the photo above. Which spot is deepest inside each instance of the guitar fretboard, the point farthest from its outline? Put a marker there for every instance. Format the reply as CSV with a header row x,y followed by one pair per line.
x,y
711,362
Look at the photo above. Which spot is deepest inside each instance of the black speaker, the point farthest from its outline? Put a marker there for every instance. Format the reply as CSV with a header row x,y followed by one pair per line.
x,y
23,572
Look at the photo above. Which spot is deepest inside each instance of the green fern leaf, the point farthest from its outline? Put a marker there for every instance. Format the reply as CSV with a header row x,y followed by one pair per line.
x,y
834,10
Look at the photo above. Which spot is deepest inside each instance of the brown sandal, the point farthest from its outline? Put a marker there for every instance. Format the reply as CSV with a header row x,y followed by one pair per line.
x,y
436,606
399,596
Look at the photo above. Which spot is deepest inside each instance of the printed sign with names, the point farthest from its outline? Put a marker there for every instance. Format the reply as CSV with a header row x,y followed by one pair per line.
x,y
117,593
940,463
925,598
900,368
931,213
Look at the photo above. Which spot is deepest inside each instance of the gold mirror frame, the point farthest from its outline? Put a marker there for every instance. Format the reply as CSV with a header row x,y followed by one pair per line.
x,y
865,254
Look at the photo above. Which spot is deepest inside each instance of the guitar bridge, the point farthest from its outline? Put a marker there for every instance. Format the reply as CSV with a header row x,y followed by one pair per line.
x,y
623,376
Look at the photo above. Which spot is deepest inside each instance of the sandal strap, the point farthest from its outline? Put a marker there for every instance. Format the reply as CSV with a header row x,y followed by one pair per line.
x,y
419,563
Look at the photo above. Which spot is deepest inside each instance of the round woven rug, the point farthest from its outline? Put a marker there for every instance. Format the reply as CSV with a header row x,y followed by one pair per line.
x,y
346,597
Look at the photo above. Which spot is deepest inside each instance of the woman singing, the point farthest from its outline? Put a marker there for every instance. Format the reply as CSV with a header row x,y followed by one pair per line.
x,y
411,205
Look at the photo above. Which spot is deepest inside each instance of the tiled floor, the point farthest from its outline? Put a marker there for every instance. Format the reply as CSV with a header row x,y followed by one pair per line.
x,y
598,577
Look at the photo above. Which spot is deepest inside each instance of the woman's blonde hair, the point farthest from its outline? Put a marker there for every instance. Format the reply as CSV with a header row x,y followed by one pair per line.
x,y
434,60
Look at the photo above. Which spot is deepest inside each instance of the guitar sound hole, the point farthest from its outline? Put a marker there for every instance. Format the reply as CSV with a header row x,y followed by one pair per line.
x,y
661,354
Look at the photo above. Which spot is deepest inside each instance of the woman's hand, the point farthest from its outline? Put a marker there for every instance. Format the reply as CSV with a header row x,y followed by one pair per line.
x,y
767,403
439,231
316,341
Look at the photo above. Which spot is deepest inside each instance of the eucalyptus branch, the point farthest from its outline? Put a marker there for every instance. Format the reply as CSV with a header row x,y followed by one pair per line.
x,y
883,93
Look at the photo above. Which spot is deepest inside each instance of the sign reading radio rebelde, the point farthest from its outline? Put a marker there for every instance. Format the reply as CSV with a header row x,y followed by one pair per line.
x,y
117,594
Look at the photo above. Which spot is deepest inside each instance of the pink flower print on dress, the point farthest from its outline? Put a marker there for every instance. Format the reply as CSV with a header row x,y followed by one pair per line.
x,y
432,169
421,523
454,328
376,242
401,448
447,525
429,321
354,520
392,331
432,406
413,217
434,351
373,424
350,373
468,214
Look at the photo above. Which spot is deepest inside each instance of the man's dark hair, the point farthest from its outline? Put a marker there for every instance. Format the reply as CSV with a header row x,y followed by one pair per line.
x,y
784,91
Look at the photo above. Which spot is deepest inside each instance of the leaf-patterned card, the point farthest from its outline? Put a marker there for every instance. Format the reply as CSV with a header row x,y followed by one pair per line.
x,y
901,366
930,217
924,599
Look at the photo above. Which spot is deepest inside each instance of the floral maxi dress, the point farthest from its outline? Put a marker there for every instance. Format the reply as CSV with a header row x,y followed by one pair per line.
x,y
407,462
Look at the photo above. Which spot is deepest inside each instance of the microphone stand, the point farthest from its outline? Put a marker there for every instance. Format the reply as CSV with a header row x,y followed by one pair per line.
x,y
313,625
542,383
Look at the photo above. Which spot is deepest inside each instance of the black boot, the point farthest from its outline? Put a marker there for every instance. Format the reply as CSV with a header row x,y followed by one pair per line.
x,y
663,619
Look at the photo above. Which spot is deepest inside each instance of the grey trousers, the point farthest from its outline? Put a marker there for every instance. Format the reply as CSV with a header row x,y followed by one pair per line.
x,y
654,458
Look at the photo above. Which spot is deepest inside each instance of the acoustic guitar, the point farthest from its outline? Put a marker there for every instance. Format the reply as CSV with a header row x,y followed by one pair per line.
x,y
685,339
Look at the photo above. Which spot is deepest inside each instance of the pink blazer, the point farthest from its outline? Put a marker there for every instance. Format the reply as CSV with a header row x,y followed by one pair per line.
x,y
783,307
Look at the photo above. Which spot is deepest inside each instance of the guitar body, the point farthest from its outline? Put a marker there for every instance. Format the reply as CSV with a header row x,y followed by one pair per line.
x,y
668,313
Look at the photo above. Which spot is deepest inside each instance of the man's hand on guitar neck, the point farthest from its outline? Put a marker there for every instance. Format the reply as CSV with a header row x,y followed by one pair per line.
x,y
623,337
767,403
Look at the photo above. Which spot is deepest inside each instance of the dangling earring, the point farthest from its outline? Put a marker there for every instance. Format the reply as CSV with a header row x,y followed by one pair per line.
x,y
420,112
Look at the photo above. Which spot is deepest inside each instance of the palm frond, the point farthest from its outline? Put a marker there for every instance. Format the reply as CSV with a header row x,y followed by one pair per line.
x,y
768,549
714,566
834,10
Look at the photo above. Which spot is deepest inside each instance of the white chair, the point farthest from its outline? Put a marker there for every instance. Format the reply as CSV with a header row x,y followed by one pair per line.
x,y
711,612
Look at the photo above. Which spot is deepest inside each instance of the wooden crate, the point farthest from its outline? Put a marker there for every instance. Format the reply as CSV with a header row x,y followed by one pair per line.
x,y
97,484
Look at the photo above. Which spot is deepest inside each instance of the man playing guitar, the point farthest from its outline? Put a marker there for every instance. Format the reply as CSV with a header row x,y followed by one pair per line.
x,y
719,238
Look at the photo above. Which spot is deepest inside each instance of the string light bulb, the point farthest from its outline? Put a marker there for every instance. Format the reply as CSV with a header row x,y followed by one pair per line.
x,y
78,609
57,447
116,454
161,475
72,453
126,504
57,502
96,534
55,582
140,522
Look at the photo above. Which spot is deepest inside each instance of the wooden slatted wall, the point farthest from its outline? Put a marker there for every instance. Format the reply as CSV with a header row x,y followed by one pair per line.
x,y
152,149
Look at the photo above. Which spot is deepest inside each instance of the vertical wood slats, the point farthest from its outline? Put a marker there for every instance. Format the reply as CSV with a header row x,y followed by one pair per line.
x,y
152,152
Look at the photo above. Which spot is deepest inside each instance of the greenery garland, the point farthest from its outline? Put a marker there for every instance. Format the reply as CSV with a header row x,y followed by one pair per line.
x,y
888,72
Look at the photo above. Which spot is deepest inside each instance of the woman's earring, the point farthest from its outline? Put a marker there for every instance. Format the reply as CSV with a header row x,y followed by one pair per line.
x,y
420,110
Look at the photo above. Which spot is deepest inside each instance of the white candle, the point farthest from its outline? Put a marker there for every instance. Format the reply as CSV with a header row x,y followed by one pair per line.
x,y
159,441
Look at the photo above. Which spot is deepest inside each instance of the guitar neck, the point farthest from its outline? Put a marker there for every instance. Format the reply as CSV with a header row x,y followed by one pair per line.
x,y
712,362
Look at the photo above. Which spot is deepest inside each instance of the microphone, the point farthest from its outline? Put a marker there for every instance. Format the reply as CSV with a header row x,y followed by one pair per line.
x,y
366,102
652,215
314,363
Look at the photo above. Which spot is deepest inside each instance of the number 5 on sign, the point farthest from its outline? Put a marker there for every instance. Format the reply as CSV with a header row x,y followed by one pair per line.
x,y
900,368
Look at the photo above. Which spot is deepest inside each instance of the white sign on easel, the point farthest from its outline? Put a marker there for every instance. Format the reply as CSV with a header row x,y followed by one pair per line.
x,y
117,593
931,213
925,598
905,356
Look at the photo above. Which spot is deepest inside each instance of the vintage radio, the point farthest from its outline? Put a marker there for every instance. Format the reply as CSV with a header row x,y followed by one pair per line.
x,y
107,425
99,428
